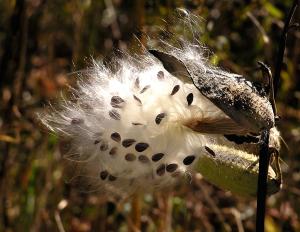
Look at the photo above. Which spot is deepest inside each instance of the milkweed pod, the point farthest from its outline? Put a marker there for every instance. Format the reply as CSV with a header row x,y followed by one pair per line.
x,y
233,95
233,170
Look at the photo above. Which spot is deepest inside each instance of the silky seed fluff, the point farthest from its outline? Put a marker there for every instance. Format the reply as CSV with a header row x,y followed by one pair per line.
x,y
125,127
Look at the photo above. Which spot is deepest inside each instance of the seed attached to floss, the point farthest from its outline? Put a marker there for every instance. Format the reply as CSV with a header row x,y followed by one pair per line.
x,y
189,160
160,75
104,145
103,175
137,83
116,102
210,151
159,117
190,98
137,99
113,151
175,89
145,88
140,147
114,115
128,142
115,136
171,167
143,159
161,170
130,157
158,156
76,121
112,178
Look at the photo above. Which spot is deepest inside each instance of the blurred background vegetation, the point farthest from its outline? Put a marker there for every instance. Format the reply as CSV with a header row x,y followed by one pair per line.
x,y
43,41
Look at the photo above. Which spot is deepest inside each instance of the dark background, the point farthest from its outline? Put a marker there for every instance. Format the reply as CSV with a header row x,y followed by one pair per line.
x,y
43,42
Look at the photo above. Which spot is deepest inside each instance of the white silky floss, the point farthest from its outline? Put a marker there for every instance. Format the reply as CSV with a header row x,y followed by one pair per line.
x,y
123,131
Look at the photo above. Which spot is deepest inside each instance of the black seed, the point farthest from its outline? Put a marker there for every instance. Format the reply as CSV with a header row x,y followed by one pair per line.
x,y
190,98
76,121
145,88
116,101
189,159
113,151
130,157
128,142
137,99
115,136
97,141
159,117
137,83
141,147
161,169
136,124
175,89
103,146
144,159
160,75
171,167
103,175
157,157
112,178
210,151
114,115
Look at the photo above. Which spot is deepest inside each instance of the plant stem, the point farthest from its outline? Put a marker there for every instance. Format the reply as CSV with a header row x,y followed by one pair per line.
x,y
264,160
282,44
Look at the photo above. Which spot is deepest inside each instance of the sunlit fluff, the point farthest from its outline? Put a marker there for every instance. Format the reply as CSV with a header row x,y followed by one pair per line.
x,y
124,128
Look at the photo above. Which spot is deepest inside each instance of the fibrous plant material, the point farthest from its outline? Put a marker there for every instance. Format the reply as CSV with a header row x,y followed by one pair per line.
x,y
148,123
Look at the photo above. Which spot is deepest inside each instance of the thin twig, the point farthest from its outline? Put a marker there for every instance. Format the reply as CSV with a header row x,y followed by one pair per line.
x,y
264,155
259,26
58,221
282,44
264,160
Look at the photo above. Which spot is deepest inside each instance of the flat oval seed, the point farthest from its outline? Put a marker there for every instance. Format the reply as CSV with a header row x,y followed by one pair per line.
x,y
113,151
210,151
189,159
161,170
137,99
136,123
128,142
114,114
116,102
145,88
143,159
175,89
130,157
159,117
103,146
76,121
137,83
115,136
112,178
160,75
171,167
157,157
140,147
190,98
103,175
